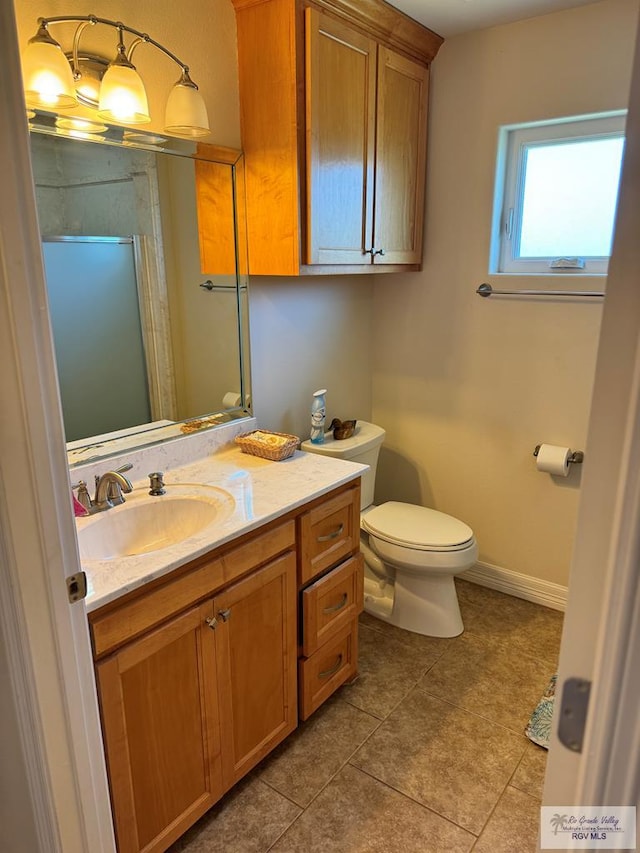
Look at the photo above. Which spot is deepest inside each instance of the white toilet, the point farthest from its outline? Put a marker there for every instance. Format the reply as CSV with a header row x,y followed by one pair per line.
x,y
411,552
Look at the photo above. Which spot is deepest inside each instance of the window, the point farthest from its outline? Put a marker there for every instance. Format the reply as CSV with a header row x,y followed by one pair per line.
x,y
556,194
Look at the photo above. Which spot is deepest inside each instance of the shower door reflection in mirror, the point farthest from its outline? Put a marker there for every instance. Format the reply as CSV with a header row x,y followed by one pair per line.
x,y
139,340
97,335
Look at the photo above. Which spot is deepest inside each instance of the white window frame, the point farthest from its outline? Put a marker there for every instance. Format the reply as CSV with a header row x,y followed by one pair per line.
x,y
513,142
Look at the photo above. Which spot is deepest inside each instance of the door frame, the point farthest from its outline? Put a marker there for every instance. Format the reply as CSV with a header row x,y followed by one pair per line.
x,y
601,635
45,638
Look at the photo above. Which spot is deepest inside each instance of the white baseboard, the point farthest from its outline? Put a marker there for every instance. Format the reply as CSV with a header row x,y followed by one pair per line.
x,y
521,586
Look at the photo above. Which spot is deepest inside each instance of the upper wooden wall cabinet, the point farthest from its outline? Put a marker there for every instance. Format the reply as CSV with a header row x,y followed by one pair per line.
x,y
333,100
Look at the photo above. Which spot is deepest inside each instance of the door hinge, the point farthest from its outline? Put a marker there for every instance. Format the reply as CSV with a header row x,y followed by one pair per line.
x,y
573,713
77,586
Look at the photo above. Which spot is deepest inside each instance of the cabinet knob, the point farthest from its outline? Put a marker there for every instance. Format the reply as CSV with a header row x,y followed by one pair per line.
x,y
211,621
379,252
224,614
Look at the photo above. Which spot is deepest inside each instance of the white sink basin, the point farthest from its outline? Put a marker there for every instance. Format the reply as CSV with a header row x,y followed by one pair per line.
x,y
144,524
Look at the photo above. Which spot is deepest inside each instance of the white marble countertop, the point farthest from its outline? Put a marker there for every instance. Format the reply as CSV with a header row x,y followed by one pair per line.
x,y
261,490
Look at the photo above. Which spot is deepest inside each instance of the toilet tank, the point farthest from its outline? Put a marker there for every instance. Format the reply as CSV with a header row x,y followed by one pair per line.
x,y
363,447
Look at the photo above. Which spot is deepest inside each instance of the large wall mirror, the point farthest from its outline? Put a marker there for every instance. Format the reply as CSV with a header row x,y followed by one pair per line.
x,y
147,287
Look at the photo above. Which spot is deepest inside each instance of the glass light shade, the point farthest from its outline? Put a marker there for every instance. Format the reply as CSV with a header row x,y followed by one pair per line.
x,y
123,99
82,125
186,113
48,79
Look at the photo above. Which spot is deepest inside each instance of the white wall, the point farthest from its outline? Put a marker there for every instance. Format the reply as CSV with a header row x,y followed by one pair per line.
x,y
310,333
466,387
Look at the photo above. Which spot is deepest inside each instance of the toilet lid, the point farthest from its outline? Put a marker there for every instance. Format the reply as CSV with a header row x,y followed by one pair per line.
x,y
416,527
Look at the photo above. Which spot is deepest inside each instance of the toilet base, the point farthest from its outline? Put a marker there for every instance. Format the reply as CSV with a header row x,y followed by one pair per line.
x,y
427,606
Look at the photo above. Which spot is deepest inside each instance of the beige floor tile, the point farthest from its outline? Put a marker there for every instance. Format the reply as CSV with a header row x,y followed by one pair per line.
x,y
529,775
432,647
513,826
388,670
490,679
528,628
247,820
358,814
446,758
306,761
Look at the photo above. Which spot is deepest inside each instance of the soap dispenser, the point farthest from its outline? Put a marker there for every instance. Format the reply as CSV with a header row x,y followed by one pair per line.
x,y
318,415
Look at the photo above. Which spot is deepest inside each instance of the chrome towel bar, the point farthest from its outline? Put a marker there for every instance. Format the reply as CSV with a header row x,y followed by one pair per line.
x,y
487,290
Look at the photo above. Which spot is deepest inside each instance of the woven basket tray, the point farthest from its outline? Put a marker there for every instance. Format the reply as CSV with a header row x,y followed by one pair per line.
x,y
268,445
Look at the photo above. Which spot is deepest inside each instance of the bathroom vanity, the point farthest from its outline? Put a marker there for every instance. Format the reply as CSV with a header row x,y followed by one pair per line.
x,y
209,651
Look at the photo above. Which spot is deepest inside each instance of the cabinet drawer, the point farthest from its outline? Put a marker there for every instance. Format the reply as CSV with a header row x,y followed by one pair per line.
x,y
321,674
329,533
332,602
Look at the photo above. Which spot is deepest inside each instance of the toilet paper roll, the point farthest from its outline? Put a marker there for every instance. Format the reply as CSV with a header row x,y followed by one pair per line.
x,y
231,400
553,459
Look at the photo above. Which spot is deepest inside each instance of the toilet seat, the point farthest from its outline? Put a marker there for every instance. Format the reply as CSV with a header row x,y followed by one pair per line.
x,y
417,527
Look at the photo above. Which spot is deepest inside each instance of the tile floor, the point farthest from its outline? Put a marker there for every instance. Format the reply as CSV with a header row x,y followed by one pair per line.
x,y
424,753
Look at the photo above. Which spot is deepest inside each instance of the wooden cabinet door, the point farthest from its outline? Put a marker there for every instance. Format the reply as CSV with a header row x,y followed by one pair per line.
x,y
340,120
256,649
161,731
401,151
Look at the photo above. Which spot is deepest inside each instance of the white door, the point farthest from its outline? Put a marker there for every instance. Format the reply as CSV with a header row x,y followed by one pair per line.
x,y
49,724
601,640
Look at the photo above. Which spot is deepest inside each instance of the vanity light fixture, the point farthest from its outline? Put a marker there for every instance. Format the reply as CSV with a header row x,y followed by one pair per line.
x,y
56,81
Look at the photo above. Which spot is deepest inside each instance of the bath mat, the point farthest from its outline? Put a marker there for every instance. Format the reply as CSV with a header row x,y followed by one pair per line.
x,y
538,728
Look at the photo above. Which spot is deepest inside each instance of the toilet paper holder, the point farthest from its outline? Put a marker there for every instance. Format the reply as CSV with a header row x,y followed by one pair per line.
x,y
576,456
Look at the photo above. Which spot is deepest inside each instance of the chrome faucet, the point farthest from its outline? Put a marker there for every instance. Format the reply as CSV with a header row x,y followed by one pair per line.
x,y
109,489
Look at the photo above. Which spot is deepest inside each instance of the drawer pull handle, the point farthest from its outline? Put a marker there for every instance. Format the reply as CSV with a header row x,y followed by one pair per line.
x,y
333,535
334,668
338,606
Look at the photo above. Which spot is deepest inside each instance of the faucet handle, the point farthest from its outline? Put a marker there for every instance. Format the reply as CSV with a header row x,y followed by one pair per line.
x,y
126,467
157,483
83,494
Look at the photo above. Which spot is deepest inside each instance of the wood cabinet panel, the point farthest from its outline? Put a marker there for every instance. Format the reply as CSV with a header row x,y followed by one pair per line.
x,y
340,124
332,602
256,662
161,732
329,533
267,70
321,674
400,158
216,218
